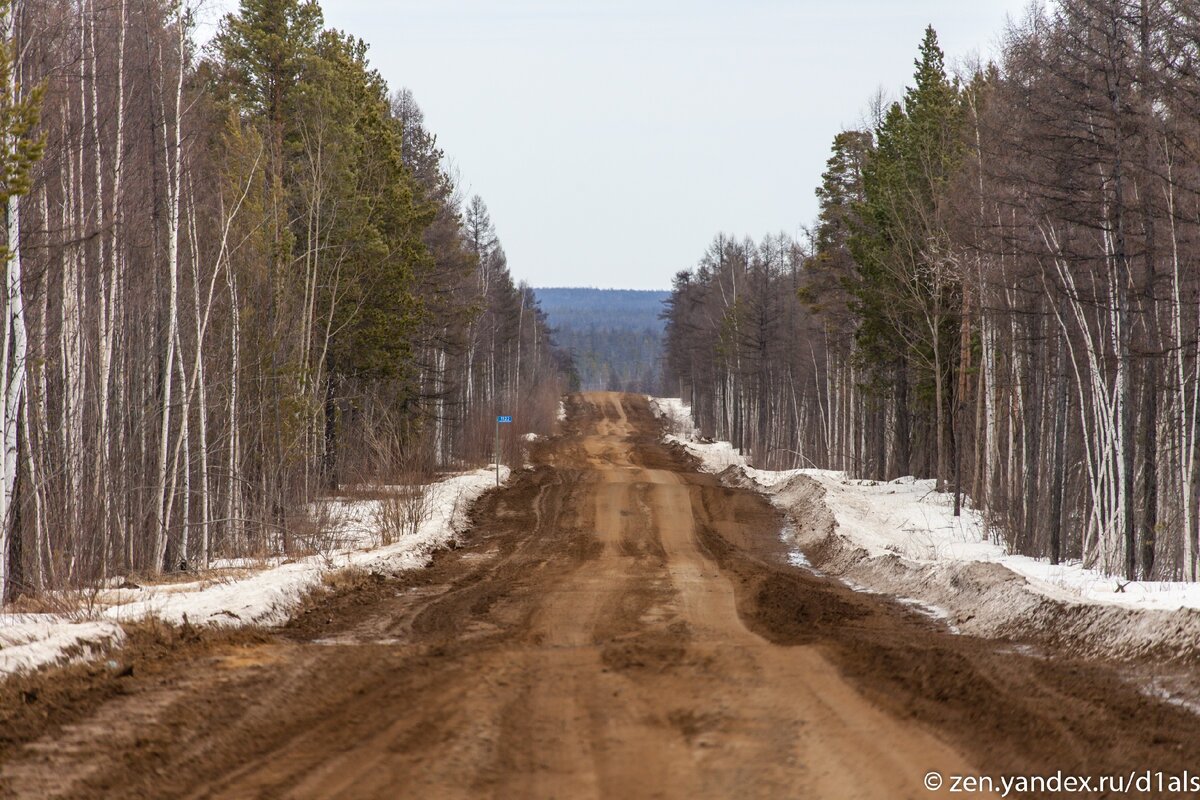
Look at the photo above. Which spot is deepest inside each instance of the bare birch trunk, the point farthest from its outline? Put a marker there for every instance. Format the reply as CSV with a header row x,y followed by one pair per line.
x,y
172,155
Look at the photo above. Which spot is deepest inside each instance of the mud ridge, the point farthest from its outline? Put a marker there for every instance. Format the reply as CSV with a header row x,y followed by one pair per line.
x,y
613,624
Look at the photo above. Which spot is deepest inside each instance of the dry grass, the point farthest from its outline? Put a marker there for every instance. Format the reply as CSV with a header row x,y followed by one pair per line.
x,y
344,580
311,530
89,602
76,604
401,512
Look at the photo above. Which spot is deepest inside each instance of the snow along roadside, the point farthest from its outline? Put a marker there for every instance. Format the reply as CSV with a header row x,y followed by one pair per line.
x,y
262,597
901,538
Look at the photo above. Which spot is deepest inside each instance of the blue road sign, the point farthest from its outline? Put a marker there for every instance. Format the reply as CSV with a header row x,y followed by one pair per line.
x,y
503,419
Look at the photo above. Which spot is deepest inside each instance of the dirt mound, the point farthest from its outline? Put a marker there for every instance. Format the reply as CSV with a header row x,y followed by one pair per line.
x,y
985,598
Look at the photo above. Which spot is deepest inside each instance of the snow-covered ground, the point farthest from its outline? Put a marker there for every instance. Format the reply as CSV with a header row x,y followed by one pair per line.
x,y
909,518
901,537
244,593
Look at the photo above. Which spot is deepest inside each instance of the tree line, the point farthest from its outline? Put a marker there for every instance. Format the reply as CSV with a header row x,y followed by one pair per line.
x,y
614,336
239,277
1001,291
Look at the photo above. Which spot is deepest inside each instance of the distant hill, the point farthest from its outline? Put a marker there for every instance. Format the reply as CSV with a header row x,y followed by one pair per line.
x,y
614,335
628,309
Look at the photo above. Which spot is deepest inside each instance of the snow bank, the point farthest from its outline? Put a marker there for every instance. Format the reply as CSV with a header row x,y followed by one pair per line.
x,y
262,596
676,415
910,519
902,538
29,640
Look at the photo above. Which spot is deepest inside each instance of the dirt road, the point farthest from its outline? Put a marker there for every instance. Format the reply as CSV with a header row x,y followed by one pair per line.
x,y
618,625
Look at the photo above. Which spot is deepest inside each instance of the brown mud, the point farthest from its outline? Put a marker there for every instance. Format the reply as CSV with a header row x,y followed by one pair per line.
x,y
617,624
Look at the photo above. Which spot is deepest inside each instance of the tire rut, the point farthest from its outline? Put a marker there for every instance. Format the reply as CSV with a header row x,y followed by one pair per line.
x,y
616,624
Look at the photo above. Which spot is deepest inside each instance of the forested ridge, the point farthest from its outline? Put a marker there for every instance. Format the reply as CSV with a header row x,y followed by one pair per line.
x,y
614,336
1001,292
240,276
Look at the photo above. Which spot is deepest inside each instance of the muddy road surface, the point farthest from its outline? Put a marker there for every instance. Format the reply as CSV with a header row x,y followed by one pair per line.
x,y
616,625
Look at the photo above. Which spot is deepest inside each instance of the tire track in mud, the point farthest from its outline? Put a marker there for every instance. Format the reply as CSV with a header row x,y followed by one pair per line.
x,y
616,625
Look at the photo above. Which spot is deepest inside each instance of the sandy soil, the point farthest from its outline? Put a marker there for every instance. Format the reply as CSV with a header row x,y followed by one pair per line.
x,y
618,625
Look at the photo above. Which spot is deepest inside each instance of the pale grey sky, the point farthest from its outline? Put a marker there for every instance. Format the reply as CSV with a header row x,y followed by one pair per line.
x,y
612,139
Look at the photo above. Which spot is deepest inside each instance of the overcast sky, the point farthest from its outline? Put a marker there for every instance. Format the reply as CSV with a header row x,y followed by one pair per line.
x,y
611,139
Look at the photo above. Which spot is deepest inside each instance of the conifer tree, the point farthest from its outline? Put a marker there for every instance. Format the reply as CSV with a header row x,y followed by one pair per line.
x,y
905,294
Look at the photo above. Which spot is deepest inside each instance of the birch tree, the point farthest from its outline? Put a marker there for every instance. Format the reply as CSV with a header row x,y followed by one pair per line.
x,y
22,147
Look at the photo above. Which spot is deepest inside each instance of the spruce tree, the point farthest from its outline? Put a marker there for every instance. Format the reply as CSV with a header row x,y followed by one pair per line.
x,y
906,289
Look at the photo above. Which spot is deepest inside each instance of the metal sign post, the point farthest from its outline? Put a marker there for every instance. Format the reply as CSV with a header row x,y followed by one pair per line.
x,y
504,419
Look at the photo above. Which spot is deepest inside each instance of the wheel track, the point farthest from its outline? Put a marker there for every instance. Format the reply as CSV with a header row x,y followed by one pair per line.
x,y
616,625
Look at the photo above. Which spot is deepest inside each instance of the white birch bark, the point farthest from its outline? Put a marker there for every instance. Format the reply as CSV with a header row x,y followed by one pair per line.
x,y
172,156
12,368
13,371
1188,401
110,283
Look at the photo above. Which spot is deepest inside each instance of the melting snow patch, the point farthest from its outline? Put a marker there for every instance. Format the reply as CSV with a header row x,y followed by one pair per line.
x,y
1158,690
798,559
795,556
931,611
29,640
926,609
263,596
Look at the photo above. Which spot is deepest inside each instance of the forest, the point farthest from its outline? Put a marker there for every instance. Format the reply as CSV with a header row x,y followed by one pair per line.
x,y
240,276
614,336
1001,292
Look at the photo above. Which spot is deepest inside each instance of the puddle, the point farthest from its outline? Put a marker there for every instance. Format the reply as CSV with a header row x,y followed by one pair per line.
x,y
787,535
351,642
1178,689
476,555
929,610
